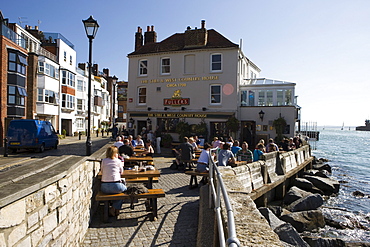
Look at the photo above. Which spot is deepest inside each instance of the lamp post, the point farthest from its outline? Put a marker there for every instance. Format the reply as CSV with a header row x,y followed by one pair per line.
x,y
262,114
114,83
91,27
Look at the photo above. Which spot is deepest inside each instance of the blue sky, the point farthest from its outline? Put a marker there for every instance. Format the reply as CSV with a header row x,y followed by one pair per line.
x,y
323,46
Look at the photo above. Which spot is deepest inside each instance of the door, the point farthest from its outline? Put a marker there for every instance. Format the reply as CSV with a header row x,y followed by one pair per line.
x,y
248,133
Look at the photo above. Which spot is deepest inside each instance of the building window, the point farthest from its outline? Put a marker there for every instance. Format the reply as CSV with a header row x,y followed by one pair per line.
x,y
165,66
280,97
189,64
68,78
68,101
47,96
216,62
17,62
168,124
143,67
215,94
70,60
16,95
142,95
80,123
80,105
65,56
80,84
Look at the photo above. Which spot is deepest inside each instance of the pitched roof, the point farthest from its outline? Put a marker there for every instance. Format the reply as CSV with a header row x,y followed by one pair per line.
x,y
176,42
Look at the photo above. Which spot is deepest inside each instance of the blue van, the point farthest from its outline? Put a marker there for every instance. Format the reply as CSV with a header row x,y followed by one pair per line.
x,y
31,134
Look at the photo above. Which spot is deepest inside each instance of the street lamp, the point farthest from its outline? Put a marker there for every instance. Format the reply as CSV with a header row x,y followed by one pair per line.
x,y
262,114
114,83
91,27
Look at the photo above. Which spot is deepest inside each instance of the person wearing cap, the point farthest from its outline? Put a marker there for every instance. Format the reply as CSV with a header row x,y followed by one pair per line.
x,y
138,141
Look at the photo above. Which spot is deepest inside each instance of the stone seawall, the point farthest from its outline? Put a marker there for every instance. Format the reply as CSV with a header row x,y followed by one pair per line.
x,y
254,185
51,207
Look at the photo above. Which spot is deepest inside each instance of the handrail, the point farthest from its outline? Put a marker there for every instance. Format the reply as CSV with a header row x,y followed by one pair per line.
x,y
215,195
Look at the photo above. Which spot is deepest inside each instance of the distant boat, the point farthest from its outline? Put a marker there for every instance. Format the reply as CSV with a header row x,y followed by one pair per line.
x,y
342,126
366,127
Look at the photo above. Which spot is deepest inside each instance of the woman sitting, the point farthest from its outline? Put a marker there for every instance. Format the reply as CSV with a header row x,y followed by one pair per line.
x,y
149,149
202,163
111,182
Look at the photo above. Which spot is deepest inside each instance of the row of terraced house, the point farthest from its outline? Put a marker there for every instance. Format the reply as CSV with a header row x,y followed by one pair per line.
x,y
40,79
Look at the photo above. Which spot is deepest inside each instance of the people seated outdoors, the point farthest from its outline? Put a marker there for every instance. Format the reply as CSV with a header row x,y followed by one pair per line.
x,y
149,150
291,143
225,156
244,154
262,141
126,149
203,160
230,141
284,144
184,152
235,148
216,142
258,151
271,146
118,142
192,142
138,142
111,181
130,141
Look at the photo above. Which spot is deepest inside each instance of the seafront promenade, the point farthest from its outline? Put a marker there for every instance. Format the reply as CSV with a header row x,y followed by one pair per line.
x,y
177,223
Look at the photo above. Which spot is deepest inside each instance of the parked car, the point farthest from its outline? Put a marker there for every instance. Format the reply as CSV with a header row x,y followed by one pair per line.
x,y
31,134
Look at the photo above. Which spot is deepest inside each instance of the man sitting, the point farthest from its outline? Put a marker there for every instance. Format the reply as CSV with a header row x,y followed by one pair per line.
x,y
126,149
225,156
119,142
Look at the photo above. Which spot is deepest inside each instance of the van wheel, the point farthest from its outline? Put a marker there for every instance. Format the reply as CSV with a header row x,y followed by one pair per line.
x,y
42,148
14,151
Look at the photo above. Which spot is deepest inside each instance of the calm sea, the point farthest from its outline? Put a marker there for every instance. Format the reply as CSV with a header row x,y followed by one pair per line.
x,y
348,152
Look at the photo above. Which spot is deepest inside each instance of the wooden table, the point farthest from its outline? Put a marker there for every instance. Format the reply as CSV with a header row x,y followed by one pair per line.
x,y
150,174
147,159
139,150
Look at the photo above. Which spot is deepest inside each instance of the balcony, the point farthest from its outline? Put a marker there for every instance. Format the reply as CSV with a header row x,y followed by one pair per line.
x,y
13,36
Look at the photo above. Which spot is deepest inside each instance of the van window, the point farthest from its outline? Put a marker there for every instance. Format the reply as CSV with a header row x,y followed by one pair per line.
x,y
47,129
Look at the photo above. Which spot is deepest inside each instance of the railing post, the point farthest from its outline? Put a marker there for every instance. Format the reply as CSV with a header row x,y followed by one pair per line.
x,y
79,135
5,147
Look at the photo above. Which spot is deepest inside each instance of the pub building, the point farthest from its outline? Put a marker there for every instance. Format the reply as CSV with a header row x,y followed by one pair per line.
x,y
200,76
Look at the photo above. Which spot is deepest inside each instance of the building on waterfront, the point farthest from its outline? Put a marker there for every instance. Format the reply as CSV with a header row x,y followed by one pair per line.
x,y
122,103
200,76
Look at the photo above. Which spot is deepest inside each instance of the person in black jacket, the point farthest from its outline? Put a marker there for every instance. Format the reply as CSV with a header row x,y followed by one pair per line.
x,y
126,149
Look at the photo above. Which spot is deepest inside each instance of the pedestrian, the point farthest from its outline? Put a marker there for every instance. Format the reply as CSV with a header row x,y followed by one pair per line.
x,y
158,138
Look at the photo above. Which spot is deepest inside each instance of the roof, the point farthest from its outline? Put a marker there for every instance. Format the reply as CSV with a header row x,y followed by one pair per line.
x,y
176,42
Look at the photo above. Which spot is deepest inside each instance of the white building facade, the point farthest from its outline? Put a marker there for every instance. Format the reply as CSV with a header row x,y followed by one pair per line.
x,y
199,76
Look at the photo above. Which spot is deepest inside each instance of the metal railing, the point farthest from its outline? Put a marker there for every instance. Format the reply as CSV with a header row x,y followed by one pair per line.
x,y
13,36
216,190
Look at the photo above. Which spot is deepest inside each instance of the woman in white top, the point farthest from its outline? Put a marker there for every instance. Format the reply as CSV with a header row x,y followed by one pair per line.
x,y
202,164
111,182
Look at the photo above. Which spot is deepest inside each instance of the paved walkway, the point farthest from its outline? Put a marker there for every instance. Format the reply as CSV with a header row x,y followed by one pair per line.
x,y
177,222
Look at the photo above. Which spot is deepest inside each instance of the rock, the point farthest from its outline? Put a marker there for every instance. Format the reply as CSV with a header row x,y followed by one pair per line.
x,y
327,185
324,160
288,234
310,202
271,218
310,172
305,220
318,242
322,167
343,219
303,184
323,174
294,194
277,210
358,193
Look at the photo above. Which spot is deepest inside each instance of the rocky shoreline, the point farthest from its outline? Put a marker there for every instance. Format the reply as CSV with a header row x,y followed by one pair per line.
x,y
302,212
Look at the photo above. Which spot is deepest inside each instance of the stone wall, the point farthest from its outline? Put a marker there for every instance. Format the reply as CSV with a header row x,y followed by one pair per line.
x,y
53,214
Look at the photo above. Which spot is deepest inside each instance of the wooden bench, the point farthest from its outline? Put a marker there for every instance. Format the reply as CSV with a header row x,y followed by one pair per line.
x,y
193,177
152,196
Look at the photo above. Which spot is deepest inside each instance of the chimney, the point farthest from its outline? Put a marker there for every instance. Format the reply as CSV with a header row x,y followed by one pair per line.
x,y
150,36
197,37
82,66
106,72
138,38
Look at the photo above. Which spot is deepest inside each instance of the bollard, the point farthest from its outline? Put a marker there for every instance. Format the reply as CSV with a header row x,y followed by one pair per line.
x,y
102,133
79,135
5,147
97,133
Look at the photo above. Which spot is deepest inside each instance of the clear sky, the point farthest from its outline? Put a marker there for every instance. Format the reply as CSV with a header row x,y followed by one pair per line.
x,y
323,46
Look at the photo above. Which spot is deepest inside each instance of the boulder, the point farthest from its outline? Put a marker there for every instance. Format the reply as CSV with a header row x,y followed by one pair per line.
x,y
277,210
294,194
358,193
317,242
303,184
310,202
327,185
305,220
271,217
323,174
322,167
289,235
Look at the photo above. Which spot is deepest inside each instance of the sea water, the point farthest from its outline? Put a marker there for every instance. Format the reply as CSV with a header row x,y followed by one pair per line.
x,y
348,152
